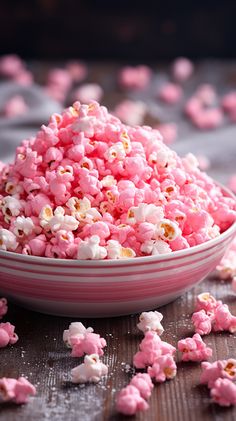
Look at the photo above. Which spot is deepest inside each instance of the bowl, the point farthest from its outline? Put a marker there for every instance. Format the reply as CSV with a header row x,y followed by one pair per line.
x,y
82,288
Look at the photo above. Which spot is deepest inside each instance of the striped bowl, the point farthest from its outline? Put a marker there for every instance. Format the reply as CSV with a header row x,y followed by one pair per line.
x,y
108,287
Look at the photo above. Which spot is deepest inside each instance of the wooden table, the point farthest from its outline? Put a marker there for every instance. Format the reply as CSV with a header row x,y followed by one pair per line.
x,y
41,356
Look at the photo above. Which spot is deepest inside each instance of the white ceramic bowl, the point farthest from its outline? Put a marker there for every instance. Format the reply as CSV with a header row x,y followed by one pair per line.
x,y
107,287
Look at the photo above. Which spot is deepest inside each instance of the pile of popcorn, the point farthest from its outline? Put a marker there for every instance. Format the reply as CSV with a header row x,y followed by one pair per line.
x,y
89,187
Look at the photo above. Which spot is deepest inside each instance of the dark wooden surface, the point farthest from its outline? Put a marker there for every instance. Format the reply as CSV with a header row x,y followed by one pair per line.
x,y
41,356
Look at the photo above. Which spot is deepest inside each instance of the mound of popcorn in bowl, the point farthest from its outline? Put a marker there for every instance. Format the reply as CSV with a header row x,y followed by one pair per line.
x,y
90,187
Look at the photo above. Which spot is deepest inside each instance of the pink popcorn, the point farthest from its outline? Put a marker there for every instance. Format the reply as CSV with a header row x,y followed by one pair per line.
x,y
207,119
10,65
223,392
170,93
229,102
89,187
7,334
91,370
88,92
76,329
78,70
218,369
59,78
151,347
17,391
15,106
164,368
206,94
131,112
223,319
206,302
129,401
3,307
89,343
143,382
194,349
169,132
202,322
151,320
135,78
182,69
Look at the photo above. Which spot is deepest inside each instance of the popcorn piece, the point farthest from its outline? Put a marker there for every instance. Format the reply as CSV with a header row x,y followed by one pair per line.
x,y
23,226
14,390
194,349
91,370
10,207
169,132
168,230
170,93
76,329
135,78
155,247
223,319
7,240
89,343
182,69
116,251
223,392
90,249
202,322
218,369
15,106
7,334
206,302
164,368
3,307
143,382
151,320
131,112
151,348
10,65
88,92
129,401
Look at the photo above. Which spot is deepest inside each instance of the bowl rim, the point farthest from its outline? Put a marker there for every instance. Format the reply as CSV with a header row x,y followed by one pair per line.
x,y
126,262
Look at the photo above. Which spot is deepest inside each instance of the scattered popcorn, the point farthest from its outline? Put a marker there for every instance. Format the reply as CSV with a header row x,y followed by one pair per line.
x,y
194,349
131,112
143,382
89,343
76,329
202,322
218,369
206,302
17,391
170,93
223,319
7,334
88,92
223,392
164,368
182,69
169,131
151,348
129,401
91,370
3,307
90,187
15,106
135,78
151,320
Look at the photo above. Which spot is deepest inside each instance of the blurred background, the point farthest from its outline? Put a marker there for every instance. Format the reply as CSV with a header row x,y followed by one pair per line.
x,y
126,55
118,29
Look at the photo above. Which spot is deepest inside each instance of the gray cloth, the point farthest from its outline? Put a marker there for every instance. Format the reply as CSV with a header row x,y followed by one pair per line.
x,y
13,130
